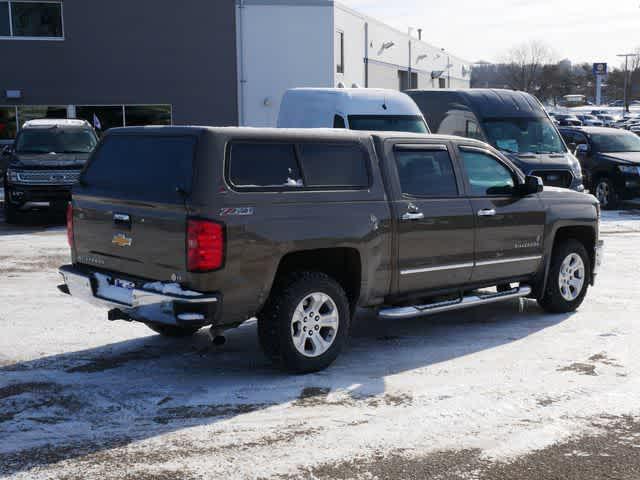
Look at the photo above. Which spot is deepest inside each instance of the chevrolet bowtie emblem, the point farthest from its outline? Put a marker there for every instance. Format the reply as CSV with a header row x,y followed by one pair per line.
x,y
121,240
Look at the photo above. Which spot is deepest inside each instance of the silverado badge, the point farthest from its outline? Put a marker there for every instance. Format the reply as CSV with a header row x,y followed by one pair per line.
x,y
121,240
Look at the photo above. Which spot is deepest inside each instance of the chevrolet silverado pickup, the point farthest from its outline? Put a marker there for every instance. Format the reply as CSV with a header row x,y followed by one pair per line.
x,y
186,227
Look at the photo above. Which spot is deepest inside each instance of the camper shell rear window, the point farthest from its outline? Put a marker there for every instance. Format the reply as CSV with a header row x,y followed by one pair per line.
x,y
149,167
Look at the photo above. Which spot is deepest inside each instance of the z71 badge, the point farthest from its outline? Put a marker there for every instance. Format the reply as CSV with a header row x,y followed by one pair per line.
x,y
240,211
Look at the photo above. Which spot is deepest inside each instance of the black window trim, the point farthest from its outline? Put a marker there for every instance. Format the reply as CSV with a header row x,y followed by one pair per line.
x,y
298,156
440,147
515,173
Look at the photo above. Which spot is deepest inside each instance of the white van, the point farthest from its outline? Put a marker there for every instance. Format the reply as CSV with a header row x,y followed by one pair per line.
x,y
351,108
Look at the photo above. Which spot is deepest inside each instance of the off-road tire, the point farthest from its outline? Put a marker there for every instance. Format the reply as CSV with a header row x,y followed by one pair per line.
x,y
274,321
552,300
173,331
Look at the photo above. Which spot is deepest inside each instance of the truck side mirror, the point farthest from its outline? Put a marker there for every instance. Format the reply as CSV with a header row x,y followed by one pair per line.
x,y
531,185
573,146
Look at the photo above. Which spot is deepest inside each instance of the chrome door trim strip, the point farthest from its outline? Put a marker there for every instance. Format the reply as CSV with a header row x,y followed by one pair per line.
x,y
458,266
508,260
436,269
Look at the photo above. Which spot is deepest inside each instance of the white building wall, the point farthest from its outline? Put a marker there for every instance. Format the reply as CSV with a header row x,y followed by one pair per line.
x,y
352,25
365,38
282,46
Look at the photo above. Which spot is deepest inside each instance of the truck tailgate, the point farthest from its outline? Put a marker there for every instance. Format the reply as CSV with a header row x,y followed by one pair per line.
x,y
130,207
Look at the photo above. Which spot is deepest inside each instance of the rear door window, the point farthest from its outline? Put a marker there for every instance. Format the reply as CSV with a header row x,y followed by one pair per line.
x,y
326,165
426,173
152,168
264,165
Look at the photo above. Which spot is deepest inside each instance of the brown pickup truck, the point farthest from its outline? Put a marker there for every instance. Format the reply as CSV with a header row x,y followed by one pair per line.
x,y
186,227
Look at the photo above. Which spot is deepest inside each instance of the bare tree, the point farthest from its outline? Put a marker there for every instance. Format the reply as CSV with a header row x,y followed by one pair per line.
x,y
524,64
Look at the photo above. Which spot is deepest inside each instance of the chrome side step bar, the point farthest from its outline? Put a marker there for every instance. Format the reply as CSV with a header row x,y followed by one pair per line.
x,y
464,302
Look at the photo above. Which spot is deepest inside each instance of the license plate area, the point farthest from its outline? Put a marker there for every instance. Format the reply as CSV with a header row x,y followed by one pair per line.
x,y
114,290
126,284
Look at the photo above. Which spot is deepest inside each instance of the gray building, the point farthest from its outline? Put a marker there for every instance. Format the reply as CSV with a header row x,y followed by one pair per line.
x,y
118,62
212,62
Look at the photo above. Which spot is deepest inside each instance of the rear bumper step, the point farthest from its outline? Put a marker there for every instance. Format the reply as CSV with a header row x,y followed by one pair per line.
x,y
138,304
464,302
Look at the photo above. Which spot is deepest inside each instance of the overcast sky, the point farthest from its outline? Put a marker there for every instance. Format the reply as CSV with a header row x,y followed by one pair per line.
x,y
581,30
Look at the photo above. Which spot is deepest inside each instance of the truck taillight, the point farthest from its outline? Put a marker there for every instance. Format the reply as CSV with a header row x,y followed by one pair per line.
x,y
70,224
205,245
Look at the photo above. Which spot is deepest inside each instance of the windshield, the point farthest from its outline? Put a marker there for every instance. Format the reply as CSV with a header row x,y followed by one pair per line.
x,y
56,141
524,135
616,142
388,123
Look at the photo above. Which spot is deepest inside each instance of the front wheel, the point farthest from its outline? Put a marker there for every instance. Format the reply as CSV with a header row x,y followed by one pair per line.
x,y
568,280
305,323
606,193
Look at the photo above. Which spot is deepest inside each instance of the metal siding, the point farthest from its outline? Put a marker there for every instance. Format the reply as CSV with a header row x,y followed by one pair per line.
x,y
124,52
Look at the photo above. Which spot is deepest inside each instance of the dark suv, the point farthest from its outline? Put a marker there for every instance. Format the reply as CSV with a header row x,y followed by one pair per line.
x,y
44,162
610,161
182,227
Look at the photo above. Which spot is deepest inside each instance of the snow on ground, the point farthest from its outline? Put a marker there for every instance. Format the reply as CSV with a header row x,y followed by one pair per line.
x,y
84,398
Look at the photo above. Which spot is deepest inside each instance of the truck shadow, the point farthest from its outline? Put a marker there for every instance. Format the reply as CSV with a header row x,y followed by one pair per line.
x,y
80,405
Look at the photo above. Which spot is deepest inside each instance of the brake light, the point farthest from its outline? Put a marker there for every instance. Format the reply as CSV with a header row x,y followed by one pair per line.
x,y
205,245
70,224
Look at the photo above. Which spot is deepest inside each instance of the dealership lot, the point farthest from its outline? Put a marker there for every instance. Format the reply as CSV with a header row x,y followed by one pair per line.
x,y
462,395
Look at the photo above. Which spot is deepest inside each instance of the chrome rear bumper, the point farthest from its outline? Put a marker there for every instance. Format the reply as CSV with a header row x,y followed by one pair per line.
x,y
154,304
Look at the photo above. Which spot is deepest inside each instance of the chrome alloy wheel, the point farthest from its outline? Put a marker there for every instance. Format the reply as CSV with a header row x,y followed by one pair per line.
x,y
603,193
572,277
315,324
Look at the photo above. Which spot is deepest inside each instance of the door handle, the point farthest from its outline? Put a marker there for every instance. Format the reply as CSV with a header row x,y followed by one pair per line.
x,y
487,212
413,216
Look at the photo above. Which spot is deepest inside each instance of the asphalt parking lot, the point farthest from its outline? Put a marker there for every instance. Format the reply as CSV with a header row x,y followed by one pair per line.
x,y
504,391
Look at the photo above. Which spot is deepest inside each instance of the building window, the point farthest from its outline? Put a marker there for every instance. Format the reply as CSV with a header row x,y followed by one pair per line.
x,y
340,47
141,115
442,82
5,29
102,117
26,113
8,123
36,20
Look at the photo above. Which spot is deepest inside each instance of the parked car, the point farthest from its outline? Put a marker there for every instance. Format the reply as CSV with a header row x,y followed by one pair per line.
x,y
513,122
590,120
300,227
607,120
44,163
610,161
567,120
350,108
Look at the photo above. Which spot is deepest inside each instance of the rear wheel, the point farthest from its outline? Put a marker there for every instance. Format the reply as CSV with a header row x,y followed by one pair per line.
x,y
568,280
173,331
606,193
305,323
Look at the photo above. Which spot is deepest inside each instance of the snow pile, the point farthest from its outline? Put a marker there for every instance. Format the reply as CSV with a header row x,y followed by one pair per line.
x,y
170,289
